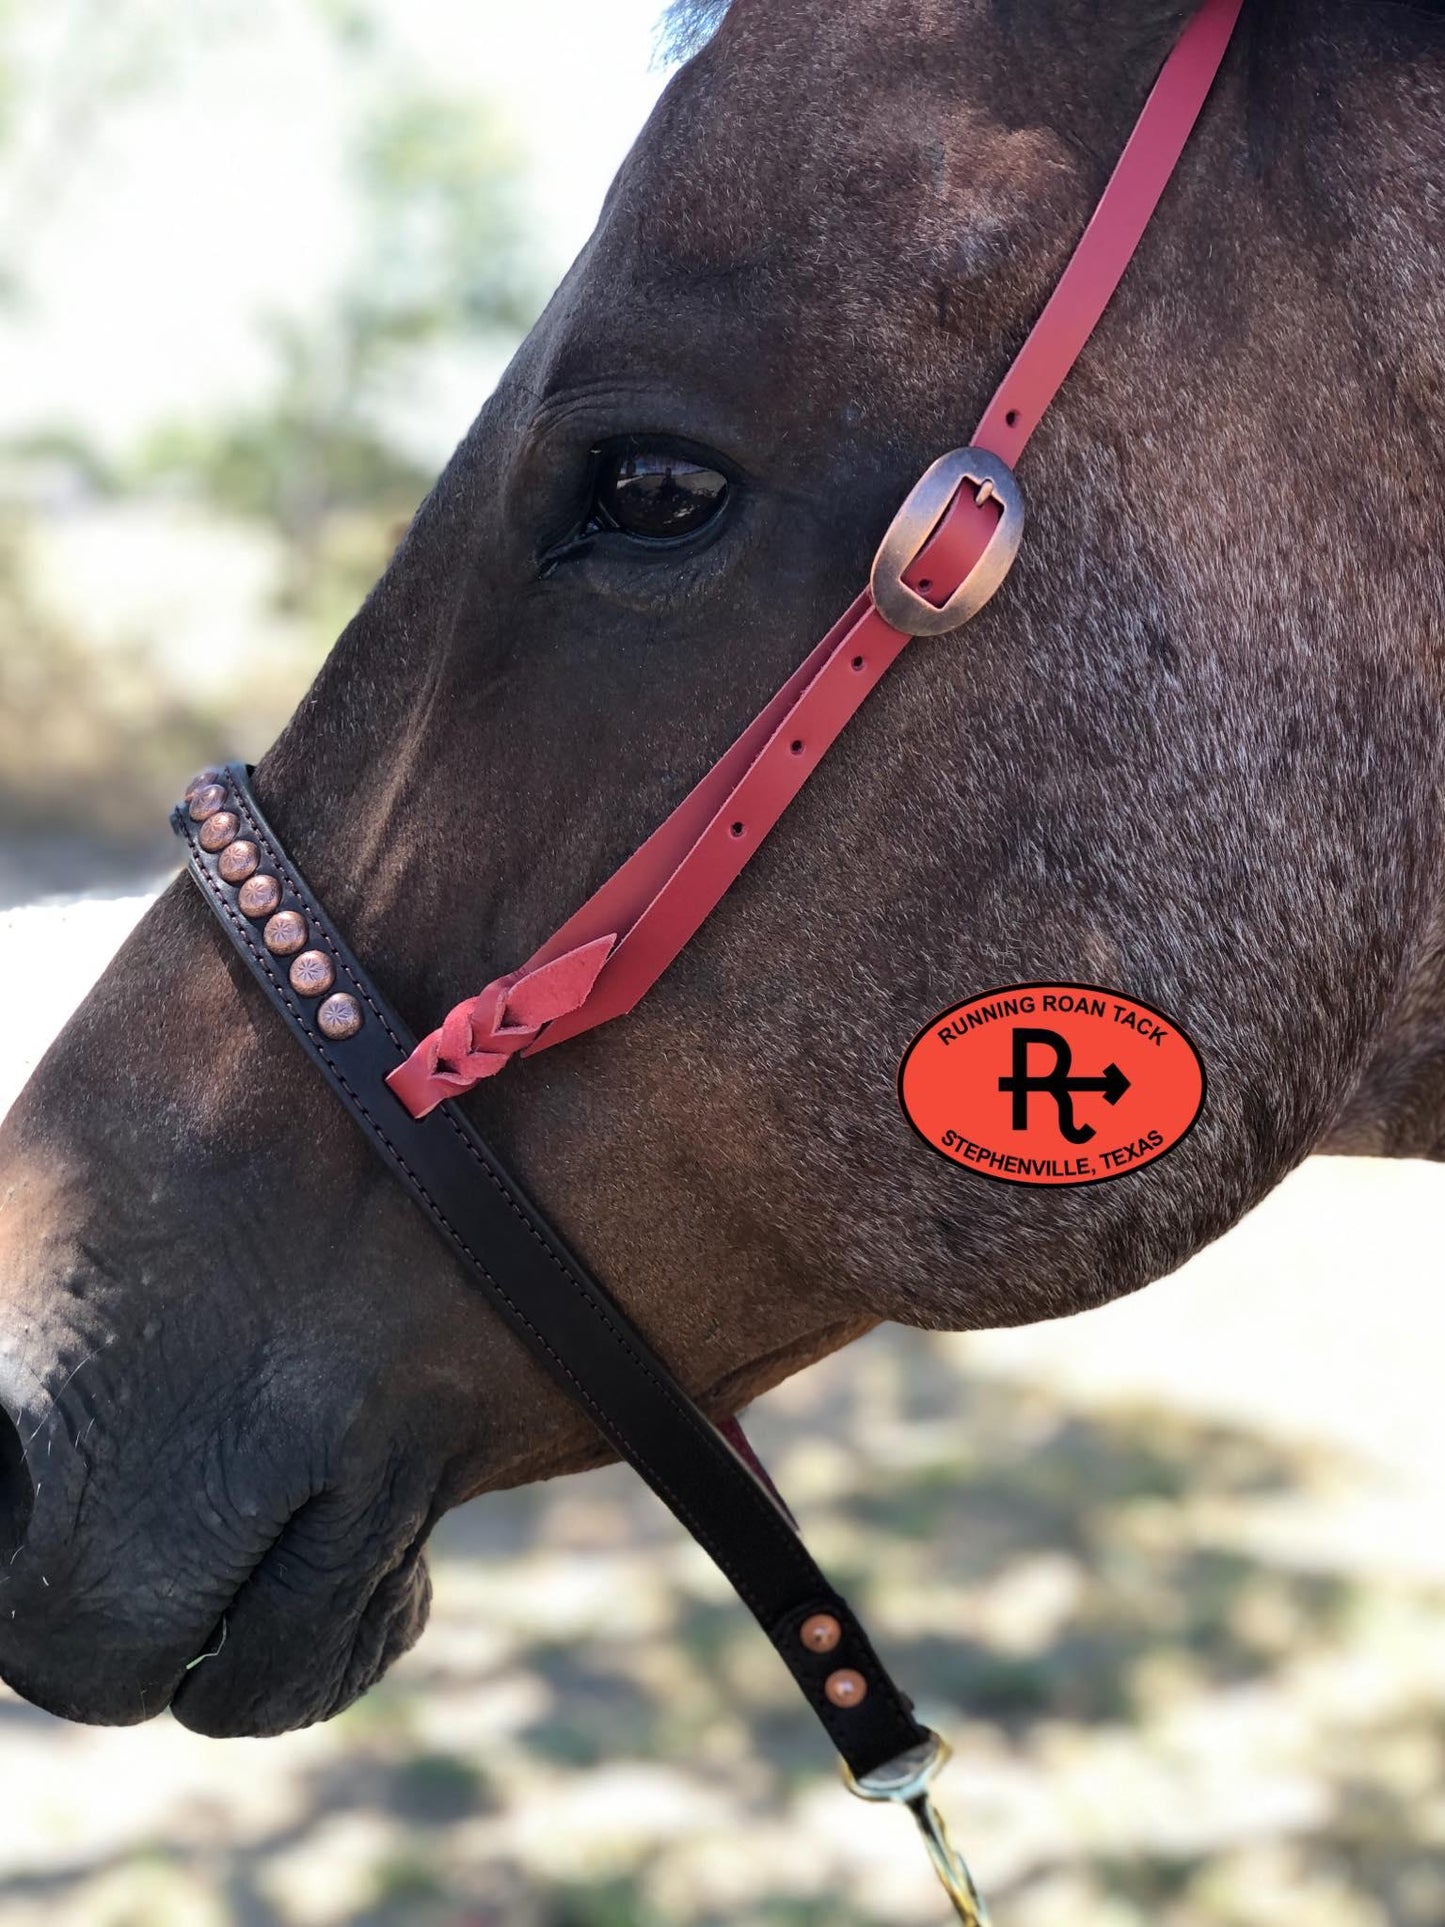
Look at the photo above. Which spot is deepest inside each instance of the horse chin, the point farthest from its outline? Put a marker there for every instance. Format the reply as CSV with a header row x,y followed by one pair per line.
x,y
287,1652
268,1670
247,1604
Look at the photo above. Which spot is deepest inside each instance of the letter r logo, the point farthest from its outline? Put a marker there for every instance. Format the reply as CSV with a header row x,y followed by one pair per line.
x,y
1056,1082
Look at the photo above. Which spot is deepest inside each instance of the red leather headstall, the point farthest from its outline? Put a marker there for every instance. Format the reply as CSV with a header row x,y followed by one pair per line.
x,y
947,550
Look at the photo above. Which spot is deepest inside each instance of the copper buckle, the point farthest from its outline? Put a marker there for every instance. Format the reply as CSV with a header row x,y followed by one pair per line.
x,y
925,507
906,1781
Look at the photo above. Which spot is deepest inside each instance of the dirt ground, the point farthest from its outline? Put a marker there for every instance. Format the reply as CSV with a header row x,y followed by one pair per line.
x,y
1172,1577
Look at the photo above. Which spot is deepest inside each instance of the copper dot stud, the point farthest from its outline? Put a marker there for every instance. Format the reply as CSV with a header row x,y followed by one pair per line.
x,y
285,933
821,1633
206,801
260,896
312,973
339,1017
203,780
238,861
845,1687
219,830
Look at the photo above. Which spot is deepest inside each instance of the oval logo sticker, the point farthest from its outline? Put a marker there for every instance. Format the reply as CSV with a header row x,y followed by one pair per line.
x,y
1051,1084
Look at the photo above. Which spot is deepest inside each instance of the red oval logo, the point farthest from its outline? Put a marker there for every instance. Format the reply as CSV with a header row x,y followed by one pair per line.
x,y
1052,1084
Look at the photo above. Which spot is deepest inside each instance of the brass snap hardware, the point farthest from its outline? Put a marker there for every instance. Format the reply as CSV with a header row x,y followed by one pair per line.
x,y
924,508
908,1781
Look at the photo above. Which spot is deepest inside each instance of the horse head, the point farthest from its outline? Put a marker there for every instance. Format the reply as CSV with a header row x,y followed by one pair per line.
x,y
1192,748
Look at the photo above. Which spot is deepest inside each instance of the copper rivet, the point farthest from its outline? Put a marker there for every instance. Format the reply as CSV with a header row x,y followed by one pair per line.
x,y
845,1687
217,831
821,1633
260,896
312,973
285,933
206,802
339,1017
203,780
238,861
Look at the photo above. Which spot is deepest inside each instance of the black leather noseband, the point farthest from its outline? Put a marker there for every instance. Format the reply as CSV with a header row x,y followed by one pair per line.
x,y
549,1298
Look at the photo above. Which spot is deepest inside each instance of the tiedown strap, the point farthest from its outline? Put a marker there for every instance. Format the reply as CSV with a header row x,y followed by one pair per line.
x,y
526,1272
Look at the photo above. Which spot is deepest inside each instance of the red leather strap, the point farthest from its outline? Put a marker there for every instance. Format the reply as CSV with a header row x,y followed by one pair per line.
x,y
619,943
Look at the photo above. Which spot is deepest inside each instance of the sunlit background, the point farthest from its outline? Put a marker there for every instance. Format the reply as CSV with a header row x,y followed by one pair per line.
x,y
259,265
1172,1576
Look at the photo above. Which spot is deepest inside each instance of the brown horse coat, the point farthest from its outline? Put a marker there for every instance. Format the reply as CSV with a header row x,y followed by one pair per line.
x,y
1193,750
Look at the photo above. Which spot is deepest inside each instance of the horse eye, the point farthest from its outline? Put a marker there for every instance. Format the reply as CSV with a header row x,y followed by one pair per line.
x,y
654,494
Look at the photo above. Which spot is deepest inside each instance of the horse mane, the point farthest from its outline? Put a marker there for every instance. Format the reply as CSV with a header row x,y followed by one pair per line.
x,y
686,26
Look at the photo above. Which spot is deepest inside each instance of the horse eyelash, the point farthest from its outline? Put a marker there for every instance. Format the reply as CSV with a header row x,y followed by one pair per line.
x,y
579,543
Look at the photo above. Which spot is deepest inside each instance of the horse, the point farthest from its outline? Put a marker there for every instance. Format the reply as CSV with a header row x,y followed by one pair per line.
x,y
1194,749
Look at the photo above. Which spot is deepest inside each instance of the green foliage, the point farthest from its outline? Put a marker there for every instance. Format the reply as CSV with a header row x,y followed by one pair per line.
x,y
436,1788
68,719
616,1903
319,463
406,1880
444,259
352,24
447,252
9,77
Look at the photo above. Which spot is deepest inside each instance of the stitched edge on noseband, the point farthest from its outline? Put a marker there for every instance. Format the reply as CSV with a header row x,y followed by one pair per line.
x,y
596,1307
797,1557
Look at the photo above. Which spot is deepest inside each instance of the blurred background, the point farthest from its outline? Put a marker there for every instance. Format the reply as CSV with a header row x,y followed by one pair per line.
x,y
1172,1575
260,262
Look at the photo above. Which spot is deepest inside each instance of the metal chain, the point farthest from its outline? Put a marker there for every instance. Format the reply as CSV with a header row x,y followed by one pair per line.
x,y
949,1864
905,1782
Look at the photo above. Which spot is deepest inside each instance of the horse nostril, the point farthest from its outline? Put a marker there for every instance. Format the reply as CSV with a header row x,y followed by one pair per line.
x,y
17,1489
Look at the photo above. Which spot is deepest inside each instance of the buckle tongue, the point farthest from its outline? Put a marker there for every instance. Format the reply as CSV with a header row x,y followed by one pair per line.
x,y
906,1781
924,507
